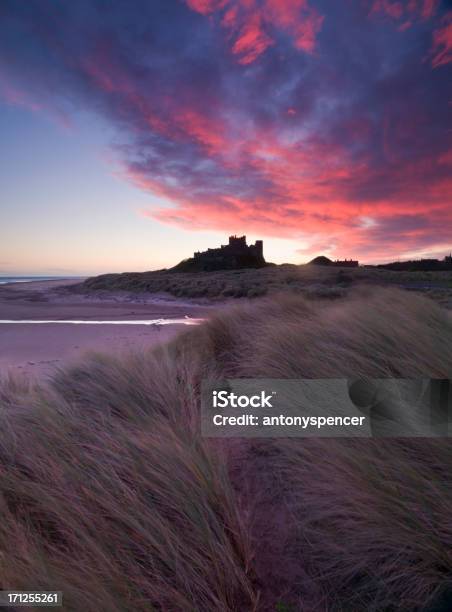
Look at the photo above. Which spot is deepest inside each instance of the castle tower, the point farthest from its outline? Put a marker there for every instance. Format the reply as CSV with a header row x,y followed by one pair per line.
x,y
239,241
259,248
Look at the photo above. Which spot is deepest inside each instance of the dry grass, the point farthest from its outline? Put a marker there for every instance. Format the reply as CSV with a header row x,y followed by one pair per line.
x,y
371,521
384,333
308,280
108,492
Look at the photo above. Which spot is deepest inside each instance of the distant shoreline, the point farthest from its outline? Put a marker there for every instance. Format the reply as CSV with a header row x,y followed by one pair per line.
x,y
13,280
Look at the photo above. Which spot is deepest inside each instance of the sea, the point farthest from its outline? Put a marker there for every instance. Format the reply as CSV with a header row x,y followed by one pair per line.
x,y
30,279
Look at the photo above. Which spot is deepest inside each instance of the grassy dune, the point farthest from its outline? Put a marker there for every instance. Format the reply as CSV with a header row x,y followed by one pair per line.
x,y
308,280
108,492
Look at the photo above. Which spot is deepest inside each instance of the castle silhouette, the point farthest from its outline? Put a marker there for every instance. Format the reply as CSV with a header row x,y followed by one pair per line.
x,y
234,255
236,248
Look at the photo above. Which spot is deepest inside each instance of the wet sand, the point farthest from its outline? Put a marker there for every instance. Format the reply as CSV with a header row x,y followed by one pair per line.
x,y
38,349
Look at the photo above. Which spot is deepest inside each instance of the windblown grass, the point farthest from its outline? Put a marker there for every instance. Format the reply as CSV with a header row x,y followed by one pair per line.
x,y
371,522
384,333
108,492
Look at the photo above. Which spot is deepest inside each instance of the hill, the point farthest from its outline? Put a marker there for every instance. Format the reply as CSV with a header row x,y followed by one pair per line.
x,y
321,260
309,280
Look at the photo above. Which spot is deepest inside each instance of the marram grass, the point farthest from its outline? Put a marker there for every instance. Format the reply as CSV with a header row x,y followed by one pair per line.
x,y
109,493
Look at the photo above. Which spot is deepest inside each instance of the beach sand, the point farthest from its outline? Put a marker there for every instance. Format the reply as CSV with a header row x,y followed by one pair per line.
x,y
39,349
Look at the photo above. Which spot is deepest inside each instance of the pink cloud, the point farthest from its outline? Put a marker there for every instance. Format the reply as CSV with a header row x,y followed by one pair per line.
x,y
207,132
409,10
249,25
286,15
230,17
442,43
205,7
429,8
252,40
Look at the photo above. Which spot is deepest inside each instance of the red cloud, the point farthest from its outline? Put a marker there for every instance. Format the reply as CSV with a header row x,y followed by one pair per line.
x,y
252,40
442,43
250,24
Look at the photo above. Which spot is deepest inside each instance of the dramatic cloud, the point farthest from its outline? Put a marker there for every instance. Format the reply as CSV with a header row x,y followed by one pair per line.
x,y
317,120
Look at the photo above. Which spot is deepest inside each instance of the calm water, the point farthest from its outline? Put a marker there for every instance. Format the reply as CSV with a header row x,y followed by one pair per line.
x,y
29,279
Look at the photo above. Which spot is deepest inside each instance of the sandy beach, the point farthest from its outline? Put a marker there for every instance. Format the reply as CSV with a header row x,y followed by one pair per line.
x,y
38,349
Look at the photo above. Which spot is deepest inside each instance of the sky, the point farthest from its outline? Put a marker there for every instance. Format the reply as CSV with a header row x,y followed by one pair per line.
x,y
133,133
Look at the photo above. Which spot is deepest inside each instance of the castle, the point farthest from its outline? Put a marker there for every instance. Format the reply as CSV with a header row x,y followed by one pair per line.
x,y
234,255
236,248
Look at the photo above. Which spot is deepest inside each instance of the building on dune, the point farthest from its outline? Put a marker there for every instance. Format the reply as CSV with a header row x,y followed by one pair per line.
x,y
322,260
421,265
347,263
234,255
